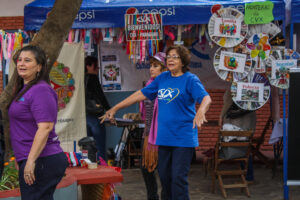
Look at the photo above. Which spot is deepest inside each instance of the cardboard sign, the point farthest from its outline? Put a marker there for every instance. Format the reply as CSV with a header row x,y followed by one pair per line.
x,y
281,67
234,62
259,12
227,27
143,26
253,92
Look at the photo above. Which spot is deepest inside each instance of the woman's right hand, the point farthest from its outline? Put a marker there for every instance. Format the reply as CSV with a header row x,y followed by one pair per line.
x,y
110,114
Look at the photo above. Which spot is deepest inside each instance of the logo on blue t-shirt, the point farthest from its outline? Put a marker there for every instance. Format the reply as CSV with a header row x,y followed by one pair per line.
x,y
168,94
21,99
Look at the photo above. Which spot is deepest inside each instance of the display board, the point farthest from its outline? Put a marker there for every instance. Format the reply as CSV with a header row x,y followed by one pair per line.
x,y
293,129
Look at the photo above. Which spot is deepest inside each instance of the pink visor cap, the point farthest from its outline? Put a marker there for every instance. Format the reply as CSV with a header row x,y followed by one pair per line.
x,y
161,57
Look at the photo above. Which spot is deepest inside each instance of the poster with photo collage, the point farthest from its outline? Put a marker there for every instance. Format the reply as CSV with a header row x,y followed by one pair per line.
x,y
111,74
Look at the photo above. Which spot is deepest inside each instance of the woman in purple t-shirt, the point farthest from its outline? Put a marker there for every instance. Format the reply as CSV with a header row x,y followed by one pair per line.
x,y
32,114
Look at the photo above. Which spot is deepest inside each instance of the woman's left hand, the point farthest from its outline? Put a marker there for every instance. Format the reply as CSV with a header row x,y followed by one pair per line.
x,y
29,176
199,119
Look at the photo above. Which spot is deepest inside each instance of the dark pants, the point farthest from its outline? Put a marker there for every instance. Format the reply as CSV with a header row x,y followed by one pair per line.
x,y
151,184
97,130
250,171
173,168
48,173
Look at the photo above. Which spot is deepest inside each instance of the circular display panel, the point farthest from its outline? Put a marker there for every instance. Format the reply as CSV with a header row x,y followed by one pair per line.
x,y
232,64
278,66
226,27
270,29
252,93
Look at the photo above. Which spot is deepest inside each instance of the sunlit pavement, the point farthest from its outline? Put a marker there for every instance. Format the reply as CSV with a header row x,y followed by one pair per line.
x,y
264,187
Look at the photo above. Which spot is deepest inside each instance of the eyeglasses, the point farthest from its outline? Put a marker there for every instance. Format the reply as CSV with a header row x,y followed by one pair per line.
x,y
175,57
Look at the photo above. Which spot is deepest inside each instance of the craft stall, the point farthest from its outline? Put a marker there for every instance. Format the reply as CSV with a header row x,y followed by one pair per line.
x,y
101,25
232,43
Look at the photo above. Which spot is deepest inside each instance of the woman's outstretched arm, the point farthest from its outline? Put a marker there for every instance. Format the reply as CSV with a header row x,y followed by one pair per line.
x,y
134,98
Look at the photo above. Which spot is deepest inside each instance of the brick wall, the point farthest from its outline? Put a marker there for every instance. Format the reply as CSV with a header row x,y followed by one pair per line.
x,y
12,23
209,133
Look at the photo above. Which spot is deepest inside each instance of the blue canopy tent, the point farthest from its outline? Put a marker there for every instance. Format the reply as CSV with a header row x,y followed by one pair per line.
x,y
110,13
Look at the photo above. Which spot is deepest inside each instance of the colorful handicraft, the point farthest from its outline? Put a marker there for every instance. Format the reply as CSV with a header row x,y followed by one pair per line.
x,y
259,48
63,83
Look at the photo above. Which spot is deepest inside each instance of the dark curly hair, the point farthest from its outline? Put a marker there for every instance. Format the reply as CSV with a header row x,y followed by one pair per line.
x,y
41,59
184,54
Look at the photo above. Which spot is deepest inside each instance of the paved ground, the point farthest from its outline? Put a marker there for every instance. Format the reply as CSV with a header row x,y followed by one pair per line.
x,y
264,188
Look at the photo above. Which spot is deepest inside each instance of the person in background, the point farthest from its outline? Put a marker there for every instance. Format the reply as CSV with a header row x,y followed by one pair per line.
x,y
149,110
177,91
232,116
32,115
93,91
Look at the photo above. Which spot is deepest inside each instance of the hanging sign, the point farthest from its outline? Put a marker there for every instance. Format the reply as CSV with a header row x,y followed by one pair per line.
x,y
259,12
143,26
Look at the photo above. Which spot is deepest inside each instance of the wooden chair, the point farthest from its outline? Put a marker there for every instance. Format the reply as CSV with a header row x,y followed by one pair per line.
x,y
218,171
258,141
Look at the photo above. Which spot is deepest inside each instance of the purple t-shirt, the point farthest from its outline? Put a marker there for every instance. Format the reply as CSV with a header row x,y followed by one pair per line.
x,y
38,104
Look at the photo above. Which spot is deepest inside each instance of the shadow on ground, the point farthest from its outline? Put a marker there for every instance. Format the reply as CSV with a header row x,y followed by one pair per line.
x,y
264,187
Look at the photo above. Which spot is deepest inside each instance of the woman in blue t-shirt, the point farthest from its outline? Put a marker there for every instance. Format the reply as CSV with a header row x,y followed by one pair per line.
x,y
177,91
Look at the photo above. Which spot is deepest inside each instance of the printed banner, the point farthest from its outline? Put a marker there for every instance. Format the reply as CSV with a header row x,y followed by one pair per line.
x,y
253,92
143,26
67,78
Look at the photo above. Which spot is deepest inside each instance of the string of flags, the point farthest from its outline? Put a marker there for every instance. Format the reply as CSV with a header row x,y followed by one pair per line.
x,y
137,51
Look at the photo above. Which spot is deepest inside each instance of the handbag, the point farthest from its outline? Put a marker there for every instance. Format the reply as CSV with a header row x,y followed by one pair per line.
x,y
91,106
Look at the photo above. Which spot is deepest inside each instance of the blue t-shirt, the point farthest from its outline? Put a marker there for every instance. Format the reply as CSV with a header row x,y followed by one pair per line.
x,y
177,97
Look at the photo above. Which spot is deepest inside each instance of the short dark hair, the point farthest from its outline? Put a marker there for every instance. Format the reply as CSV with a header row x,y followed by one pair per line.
x,y
89,61
184,54
41,59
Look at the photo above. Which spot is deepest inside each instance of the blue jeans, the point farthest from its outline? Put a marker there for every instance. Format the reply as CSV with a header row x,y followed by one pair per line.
x,y
97,130
173,168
